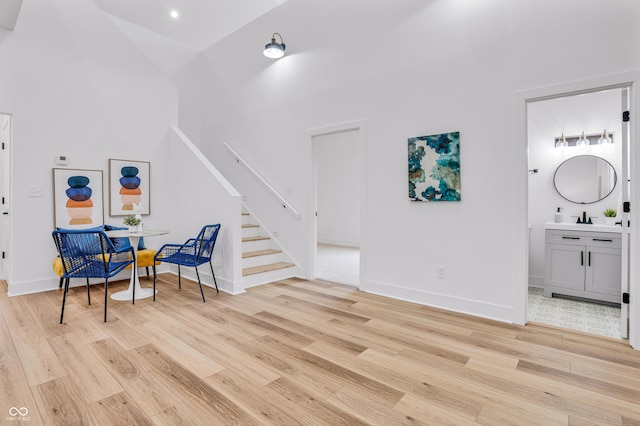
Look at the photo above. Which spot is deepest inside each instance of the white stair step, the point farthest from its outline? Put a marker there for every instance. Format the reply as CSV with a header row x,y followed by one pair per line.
x,y
256,243
250,230
262,260
269,276
261,257
266,268
246,218
256,253
254,238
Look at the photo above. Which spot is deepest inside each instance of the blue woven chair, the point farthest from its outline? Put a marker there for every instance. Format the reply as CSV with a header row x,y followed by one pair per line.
x,y
193,253
90,254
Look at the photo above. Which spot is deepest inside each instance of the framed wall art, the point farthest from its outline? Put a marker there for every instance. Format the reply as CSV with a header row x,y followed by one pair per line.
x,y
434,167
129,187
77,198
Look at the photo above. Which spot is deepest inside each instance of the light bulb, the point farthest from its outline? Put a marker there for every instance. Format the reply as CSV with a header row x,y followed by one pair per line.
x,y
562,143
604,140
583,142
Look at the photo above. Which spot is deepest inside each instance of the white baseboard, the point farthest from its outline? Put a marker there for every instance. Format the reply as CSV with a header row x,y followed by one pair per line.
x,y
224,284
339,242
536,281
48,284
455,304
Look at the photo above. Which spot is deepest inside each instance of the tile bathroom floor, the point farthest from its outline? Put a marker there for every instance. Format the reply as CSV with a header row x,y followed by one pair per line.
x,y
594,318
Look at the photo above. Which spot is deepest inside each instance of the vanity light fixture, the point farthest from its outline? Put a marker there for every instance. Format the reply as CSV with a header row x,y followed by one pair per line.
x,y
605,140
586,141
583,142
562,142
274,50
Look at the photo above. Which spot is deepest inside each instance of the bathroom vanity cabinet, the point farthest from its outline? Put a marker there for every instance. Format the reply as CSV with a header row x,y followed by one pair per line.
x,y
583,263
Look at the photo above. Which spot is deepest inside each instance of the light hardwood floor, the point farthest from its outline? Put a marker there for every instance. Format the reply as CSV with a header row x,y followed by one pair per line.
x,y
298,352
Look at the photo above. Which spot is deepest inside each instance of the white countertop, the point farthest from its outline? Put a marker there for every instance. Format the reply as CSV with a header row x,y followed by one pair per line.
x,y
616,229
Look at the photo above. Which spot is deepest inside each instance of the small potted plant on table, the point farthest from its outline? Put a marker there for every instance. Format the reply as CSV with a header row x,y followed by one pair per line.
x,y
610,216
133,222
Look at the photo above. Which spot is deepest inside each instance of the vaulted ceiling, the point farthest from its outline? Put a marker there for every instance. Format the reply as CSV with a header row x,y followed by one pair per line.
x,y
199,23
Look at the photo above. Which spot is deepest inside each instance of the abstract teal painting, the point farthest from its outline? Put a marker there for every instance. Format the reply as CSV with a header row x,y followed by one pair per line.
x,y
434,167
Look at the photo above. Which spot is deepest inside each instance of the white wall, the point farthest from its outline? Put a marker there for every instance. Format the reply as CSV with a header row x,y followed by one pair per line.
x,y
76,85
409,68
338,188
198,195
591,113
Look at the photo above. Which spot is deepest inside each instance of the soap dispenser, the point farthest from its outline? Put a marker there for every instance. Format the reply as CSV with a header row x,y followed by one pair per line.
x,y
559,217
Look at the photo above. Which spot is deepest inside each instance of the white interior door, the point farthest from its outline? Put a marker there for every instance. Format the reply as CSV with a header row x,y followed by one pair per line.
x,y
624,139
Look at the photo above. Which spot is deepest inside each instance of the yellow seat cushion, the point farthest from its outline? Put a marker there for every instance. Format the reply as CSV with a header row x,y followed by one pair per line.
x,y
57,266
145,259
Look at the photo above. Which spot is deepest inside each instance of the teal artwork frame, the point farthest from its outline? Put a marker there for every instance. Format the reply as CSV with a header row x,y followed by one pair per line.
x,y
434,167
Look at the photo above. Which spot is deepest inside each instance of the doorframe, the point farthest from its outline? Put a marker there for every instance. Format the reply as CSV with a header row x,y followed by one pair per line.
x,y
5,221
630,79
360,127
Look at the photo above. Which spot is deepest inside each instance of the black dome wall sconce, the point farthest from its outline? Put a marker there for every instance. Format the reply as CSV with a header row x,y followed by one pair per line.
x,y
274,50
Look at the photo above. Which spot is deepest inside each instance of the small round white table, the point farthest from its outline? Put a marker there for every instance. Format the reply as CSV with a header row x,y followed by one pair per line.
x,y
134,239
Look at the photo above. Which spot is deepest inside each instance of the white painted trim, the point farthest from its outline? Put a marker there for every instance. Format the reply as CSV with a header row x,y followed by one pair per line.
x,y
34,286
6,234
629,79
49,284
634,232
285,204
224,285
205,161
442,301
354,244
360,126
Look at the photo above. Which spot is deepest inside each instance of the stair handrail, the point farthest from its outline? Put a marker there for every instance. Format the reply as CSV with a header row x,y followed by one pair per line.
x,y
284,203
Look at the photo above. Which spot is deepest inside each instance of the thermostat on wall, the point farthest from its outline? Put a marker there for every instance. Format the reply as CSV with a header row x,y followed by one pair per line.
x,y
62,160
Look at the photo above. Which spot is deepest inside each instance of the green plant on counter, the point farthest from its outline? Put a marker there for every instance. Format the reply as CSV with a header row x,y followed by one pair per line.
x,y
131,220
610,213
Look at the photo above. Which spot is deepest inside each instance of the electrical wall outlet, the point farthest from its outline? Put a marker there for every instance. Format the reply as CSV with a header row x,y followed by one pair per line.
x,y
441,272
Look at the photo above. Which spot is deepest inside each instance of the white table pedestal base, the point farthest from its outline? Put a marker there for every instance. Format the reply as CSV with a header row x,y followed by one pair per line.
x,y
141,293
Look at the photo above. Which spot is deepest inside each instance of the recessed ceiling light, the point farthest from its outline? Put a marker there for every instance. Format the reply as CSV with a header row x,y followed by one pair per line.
x,y
174,14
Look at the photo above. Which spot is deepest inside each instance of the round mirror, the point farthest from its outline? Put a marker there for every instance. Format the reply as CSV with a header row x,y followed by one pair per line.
x,y
585,179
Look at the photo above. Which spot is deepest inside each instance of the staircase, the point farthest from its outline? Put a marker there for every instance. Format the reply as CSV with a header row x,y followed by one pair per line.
x,y
263,261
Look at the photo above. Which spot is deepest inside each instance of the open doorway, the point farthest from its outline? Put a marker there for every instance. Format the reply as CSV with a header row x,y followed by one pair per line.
x,y
554,296
337,225
338,207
